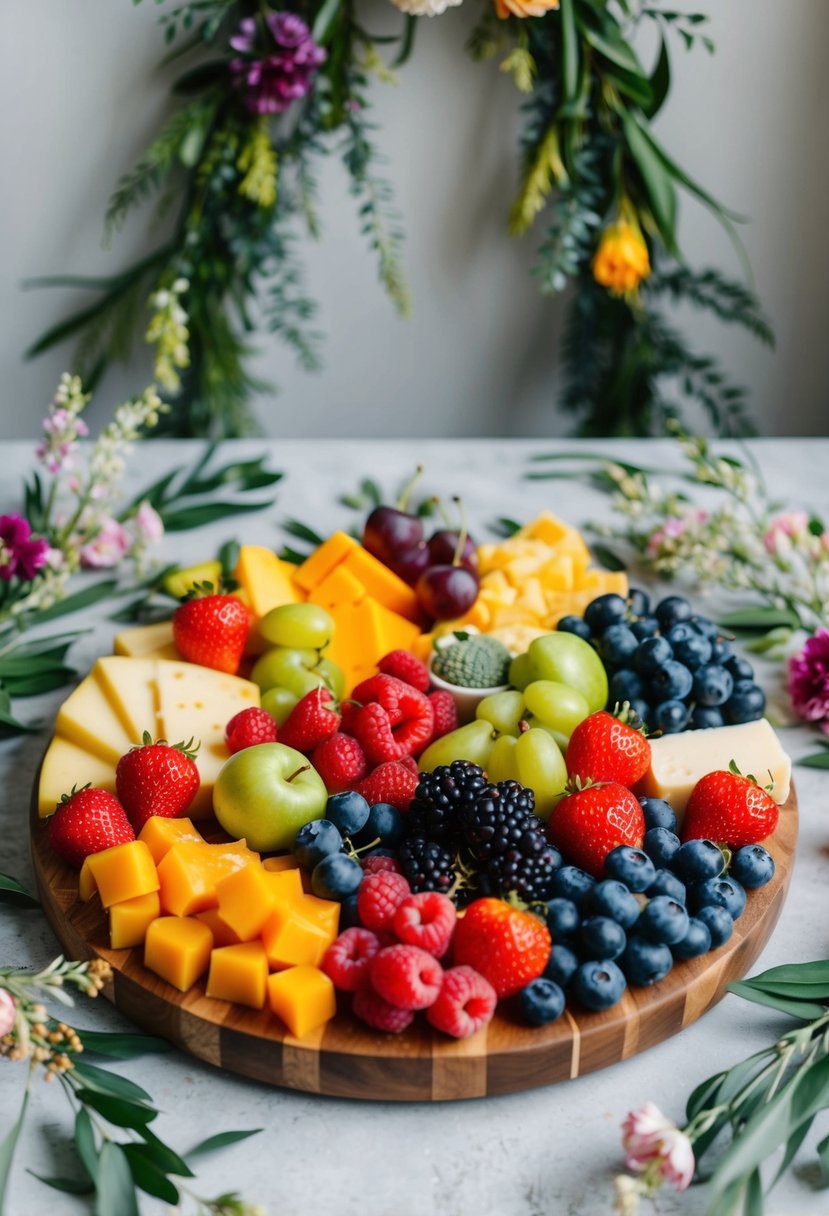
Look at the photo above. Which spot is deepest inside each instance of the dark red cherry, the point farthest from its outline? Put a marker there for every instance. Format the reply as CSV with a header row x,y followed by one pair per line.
x,y
447,591
443,547
410,564
389,532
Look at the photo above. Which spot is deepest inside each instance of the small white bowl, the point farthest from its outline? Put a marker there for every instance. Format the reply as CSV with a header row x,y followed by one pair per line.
x,y
467,700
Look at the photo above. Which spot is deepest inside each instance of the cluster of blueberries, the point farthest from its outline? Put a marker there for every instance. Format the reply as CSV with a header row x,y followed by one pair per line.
x,y
328,847
674,667
666,901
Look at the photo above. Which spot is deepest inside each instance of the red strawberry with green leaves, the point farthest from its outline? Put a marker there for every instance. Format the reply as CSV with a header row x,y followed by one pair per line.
x,y
157,779
591,820
731,809
606,747
505,945
313,719
396,720
211,629
87,821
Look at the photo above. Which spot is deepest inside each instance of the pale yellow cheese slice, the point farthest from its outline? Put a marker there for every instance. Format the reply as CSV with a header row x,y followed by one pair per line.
x,y
88,719
65,766
678,761
130,687
147,641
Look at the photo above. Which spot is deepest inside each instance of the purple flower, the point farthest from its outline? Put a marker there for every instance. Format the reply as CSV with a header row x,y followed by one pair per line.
x,y
272,81
809,680
19,555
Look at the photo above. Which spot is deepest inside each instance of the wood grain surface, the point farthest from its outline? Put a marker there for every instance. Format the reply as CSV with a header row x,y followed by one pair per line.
x,y
347,1059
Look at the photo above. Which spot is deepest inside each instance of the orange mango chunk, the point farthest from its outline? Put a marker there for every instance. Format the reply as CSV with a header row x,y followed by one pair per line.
x,y
363,633
86,882
322,912
266,579
130,919
239,973
246,900
191,870
123,872
282,861
160,834
338,587
285,885
383,584
290,938
223,935
178,949
323,560
303,997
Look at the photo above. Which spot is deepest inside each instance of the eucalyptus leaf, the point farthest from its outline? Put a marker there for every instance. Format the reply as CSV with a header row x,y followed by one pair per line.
x,y
114,1184
323,26
122,1046
222,1140
815,760
11,726
792,1145
805,1010
816,972
11,892
186,518
105,1082
287,554
84,598
40,681
504,526
704,1095
85,1143
71,1186
759,618
656,180
301,531
163,1157
229,557
7,1148
660,80
607,558
823,1156
147,1175
117,1111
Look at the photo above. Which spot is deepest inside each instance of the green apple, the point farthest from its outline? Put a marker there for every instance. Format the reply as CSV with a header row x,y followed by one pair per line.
x,y
570,660
265,794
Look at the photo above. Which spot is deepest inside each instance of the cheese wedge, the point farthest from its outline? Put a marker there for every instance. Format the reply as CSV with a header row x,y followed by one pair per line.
x,y
66,765
87,719
130,687
147,641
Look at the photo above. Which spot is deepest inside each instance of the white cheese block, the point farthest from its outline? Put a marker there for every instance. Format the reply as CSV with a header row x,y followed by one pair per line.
x,y
130,687
65,766
88,719
678,761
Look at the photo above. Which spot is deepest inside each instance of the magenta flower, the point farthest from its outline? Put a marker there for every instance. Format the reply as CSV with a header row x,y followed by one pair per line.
x,y
809,680
654,1145
20,556
280,74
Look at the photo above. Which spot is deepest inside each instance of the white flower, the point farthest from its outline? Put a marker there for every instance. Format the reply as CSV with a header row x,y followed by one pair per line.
x,y
425,8
8,1012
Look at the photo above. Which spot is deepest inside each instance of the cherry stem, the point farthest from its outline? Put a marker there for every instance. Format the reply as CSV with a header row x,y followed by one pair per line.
x,y
303,769
403,500
523,726
462,534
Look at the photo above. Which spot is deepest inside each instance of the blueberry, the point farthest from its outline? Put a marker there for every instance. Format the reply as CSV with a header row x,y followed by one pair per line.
x,y
349,916
660,845
645,627
652,654
671,682
747,702
713,685
658,813
617,645
384,823
706,716
671,717
696,941
640,707
671,610
572,883
739,667
541,1001
720,650
563,919
604,611
601,937
347,811
667,883
698,860
705,627
625,685
690,647
631,866
639,602
645,962
316,840
718,923
336,877
561,965
575,624
724,892
752,866
614,899
663,920
599,984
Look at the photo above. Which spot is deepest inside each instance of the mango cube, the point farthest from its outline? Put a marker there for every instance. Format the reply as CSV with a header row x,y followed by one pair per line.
x,y
281,861
123,872
303,997
322,912
191,870
383,584
323,560
285,885
223,935
246,900
160,834
266,579
290,938
86,882
239,973
178,949
130,919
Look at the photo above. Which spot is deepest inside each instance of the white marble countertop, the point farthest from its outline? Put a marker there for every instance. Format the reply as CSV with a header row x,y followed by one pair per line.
x,y
547,1152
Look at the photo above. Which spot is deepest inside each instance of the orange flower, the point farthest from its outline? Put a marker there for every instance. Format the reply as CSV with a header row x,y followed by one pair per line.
x,y
621,261
523,8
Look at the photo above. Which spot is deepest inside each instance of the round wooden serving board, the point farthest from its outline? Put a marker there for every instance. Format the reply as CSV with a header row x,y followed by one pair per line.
x,y
346,1059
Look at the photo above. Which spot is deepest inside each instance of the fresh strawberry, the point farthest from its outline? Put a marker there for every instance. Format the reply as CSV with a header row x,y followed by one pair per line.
x,y
465,1003
340,761
403,729
211,629
87,821
604,747
312,720
446,712
392,782
506,946
587,823
403,665
405,976
156,779
249,727
731,809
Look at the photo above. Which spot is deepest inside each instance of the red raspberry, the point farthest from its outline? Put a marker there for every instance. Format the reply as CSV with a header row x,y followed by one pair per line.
x,y
372,727
445,711
406,726
380,864
346,961
404,666
348,712
312,720
406,976
379,897
340,761
249,727
379,1014
426,920
393,782
410,763
465,1003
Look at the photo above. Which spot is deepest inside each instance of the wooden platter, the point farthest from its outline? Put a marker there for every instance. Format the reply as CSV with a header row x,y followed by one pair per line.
x,y
346,1059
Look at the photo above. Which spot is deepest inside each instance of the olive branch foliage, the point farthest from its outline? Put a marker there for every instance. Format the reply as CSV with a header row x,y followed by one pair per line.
x,y
588,155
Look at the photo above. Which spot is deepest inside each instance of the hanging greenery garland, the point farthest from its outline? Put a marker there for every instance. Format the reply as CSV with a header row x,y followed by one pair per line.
x,y
273,90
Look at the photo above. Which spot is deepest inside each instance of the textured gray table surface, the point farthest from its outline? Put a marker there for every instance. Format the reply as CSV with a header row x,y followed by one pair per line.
x,y
549,1152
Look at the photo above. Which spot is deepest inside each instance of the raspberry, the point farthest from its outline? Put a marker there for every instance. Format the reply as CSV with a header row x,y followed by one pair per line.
x,y
372,726
392,782
379,897
249,727
410,763
406,726
406,976
346,961
404,666
465,1003
340,761
379,1014
312,720
426,920
379,863
445,711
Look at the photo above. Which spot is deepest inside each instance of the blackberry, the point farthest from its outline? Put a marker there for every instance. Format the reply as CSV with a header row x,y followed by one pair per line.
x,y
441,797
426,864
528,874
499,819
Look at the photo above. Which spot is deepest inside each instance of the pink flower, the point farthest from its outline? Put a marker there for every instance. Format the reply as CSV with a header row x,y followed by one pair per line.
x,y
108,547
20,556
809,680
783,528
8,1012
654,1143
149,524
673,527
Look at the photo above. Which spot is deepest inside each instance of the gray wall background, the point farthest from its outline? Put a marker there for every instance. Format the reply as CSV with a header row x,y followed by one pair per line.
x,y
82,94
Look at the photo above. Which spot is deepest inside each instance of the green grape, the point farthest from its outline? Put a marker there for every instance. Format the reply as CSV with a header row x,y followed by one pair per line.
x,y
570,660
278,702
503,709
472,742
537,724
300,626
520,672
284,667
502,766
556,705
333,675
540,765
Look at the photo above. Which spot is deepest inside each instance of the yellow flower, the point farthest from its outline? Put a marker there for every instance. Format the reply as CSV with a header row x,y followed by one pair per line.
x,y
523,8
621,261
